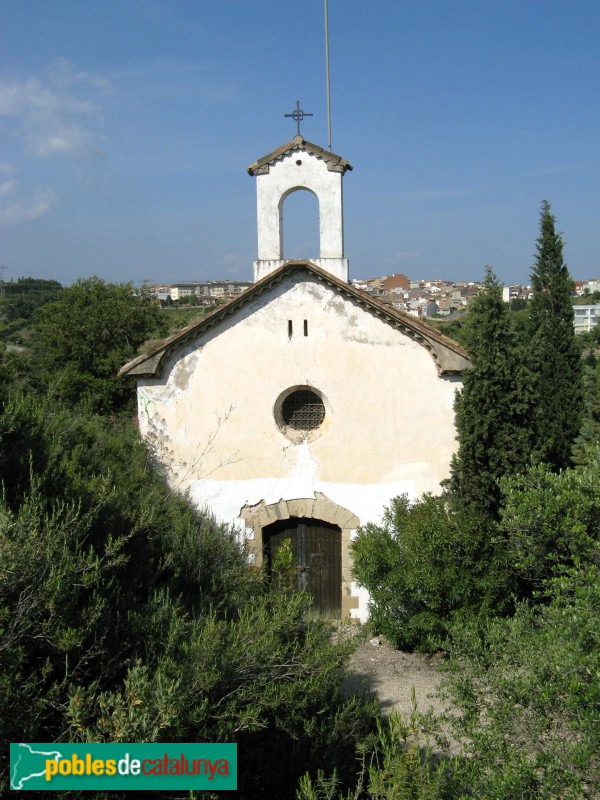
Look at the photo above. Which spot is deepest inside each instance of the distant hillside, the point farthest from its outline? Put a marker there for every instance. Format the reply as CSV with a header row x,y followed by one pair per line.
x,y
19,300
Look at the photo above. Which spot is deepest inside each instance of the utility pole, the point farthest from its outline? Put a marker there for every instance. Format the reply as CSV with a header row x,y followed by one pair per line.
x,y
327,70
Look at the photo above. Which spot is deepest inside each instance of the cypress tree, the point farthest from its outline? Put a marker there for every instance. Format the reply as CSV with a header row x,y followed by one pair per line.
x,y
553,357
491,410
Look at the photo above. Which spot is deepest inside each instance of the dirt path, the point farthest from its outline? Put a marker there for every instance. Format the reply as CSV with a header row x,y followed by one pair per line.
x,y
392,675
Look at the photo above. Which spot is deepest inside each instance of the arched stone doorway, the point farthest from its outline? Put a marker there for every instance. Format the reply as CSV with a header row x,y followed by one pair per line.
x,y
317,558
319,509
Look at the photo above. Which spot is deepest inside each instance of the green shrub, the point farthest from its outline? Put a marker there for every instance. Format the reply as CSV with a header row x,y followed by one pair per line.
x,y
125,617
527,691
426,564
551,521
394,765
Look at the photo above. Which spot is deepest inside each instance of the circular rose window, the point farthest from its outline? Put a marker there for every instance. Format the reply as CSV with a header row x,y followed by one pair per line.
x,y
303,410
300,413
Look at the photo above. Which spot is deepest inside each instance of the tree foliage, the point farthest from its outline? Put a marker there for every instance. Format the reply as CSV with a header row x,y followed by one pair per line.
x,y
491,410
522,401
505,576
24,296
85,336
553,357
88,535
125,615
589,433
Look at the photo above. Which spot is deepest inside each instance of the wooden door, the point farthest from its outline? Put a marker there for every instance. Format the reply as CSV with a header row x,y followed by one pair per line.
x,y
317,552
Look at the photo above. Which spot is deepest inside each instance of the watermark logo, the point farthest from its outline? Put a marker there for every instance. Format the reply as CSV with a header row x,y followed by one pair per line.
x,y
123,766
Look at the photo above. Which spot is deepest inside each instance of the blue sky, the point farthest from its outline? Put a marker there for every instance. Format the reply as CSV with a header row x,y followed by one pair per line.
x,y
126,127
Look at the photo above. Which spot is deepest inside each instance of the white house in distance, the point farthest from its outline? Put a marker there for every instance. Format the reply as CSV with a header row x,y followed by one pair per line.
x,y
585,318
299,409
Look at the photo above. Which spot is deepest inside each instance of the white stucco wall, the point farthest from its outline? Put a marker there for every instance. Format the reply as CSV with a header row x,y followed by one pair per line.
x,y
389,426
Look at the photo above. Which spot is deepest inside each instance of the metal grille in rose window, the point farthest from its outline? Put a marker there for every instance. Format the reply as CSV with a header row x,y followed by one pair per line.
x,y
303,410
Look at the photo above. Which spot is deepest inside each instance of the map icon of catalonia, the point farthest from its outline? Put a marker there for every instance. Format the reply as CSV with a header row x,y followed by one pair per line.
x,y
29,764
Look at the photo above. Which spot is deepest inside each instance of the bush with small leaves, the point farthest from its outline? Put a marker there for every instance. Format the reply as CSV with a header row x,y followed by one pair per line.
x,y
427,563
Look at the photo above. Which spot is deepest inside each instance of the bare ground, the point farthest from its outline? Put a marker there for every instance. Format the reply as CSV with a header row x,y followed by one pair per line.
x,y
400,680
392,675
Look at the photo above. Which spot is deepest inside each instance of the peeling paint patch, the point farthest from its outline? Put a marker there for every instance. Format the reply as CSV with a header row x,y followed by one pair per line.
x,y
184,369
313,290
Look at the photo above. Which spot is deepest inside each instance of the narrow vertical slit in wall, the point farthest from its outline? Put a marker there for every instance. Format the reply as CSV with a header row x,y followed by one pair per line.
x,y
290,329
306,327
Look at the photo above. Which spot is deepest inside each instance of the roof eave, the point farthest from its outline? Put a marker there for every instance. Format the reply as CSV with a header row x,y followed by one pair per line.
x,y
334,162
449,356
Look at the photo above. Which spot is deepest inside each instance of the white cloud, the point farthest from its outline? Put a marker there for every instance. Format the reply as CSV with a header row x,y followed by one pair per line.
x,y
66,139
55,115
7,187
165,78
15,210
62,74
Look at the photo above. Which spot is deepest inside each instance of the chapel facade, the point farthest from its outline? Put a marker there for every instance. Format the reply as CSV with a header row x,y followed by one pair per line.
x,y
299,409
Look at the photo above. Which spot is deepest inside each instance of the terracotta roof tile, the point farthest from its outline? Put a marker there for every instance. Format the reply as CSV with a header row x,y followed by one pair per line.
x,y
334,162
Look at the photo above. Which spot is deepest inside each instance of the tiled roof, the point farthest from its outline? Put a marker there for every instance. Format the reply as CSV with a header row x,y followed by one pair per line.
x,y
334,163
449,356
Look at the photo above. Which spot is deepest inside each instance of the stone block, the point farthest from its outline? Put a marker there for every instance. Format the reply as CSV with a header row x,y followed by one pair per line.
x,y
298,508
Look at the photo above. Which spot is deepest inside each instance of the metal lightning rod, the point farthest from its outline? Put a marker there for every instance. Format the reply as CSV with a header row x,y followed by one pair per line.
x,y
327,68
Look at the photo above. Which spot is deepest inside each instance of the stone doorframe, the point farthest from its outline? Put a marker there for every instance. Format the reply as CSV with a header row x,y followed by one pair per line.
x,y
321,507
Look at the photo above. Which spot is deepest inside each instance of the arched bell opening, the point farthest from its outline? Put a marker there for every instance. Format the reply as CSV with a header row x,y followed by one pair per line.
x,y
299,224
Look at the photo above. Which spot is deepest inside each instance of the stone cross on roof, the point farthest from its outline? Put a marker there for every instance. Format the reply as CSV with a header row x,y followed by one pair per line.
x,y
298,115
